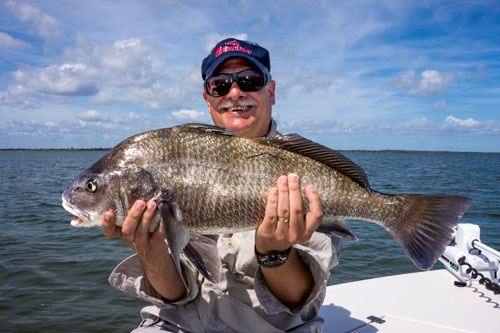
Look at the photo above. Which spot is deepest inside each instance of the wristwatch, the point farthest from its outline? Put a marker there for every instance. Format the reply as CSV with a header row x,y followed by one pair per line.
x,y
272,259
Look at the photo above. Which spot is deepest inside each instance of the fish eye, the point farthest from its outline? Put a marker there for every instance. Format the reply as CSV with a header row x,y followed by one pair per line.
x,y
91,185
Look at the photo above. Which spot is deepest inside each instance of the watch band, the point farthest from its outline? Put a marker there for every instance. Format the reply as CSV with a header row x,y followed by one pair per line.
x,y
272,259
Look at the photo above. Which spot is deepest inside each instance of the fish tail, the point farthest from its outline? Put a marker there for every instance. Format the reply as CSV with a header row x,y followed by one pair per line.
x,y
427,225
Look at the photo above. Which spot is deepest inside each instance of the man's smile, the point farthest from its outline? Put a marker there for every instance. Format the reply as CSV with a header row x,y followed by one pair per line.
x,y
236,108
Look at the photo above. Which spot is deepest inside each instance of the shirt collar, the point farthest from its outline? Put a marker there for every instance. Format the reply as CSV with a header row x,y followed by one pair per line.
x,y
272,129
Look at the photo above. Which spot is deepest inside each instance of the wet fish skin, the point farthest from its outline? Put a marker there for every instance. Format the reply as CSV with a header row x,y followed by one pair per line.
x,y
208,181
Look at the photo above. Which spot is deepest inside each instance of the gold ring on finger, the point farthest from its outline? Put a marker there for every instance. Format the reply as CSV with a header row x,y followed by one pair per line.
x,y
283,220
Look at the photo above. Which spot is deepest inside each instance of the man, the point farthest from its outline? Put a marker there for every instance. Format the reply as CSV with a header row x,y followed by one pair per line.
x,y
257,292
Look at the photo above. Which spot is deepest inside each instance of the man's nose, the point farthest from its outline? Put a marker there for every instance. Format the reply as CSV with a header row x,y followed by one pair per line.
x,y
235,92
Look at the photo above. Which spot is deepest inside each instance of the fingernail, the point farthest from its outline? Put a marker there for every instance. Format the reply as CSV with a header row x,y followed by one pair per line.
x,y
139,204
283,179
107,217
151,204
310,188
293,177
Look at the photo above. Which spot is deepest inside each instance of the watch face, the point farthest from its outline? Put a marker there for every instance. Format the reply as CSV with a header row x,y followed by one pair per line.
x,y
272,260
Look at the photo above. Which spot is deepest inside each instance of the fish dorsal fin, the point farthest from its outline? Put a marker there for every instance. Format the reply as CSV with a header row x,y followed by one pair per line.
x,y
333,159
205,128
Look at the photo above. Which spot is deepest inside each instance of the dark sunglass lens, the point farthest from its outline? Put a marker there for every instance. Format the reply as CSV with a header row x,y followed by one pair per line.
x,y
250,80
219,85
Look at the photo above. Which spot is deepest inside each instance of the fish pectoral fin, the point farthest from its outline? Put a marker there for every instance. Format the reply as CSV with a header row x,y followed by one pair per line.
x,y
176,235
336,227
203,254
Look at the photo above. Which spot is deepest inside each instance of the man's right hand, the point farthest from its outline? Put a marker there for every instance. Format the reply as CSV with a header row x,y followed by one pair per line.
x,y
151,248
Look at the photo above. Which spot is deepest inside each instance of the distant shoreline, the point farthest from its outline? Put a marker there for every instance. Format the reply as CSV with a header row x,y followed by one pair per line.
x,y
54,149
339,150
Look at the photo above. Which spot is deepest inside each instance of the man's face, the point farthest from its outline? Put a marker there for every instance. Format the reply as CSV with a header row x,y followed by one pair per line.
x,y
244,113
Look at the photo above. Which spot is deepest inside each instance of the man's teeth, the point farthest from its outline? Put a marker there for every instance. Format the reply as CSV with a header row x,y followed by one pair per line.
x,y
237,108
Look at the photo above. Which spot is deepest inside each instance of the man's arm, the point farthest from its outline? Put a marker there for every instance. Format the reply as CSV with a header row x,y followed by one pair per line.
x,y
292,282
151,248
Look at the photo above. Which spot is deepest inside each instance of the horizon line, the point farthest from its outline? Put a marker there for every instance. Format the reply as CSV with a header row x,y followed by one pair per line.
x,y
339,150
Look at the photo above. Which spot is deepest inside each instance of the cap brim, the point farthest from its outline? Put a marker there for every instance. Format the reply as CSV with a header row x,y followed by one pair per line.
x,y
220,59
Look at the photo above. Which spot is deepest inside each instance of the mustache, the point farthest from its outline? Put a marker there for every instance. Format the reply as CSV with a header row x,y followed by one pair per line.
x,y
244,102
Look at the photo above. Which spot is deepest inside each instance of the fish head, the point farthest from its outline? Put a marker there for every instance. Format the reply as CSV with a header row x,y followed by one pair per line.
x,y
87,199
112,183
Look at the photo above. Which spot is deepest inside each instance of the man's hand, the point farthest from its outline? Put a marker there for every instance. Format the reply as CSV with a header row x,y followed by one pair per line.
x,y
285,201
292,282
151,248
135,231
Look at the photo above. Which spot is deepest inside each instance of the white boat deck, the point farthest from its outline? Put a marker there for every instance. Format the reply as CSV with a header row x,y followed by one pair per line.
x,y
416,302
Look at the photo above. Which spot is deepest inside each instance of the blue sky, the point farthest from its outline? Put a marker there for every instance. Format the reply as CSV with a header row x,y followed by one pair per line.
x,y
422,75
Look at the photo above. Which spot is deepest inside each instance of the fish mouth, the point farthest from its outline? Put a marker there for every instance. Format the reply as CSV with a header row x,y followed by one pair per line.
x,y
80,216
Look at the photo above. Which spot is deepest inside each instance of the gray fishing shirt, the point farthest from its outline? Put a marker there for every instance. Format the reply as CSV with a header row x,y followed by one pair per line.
x,y
241,301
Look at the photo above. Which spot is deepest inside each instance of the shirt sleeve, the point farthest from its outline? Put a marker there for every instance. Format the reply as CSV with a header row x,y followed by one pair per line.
x,y
129,276
320,254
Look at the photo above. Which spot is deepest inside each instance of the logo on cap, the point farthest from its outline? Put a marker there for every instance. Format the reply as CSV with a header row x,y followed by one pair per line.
x,y
231,46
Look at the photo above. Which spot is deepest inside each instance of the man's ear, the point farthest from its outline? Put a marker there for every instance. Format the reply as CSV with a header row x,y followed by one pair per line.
x,y
271,87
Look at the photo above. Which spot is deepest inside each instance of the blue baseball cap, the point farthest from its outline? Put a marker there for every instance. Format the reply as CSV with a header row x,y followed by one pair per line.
x,y
235,48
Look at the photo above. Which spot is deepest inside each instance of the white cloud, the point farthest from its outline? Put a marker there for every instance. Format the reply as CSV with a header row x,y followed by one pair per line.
x,y
419,126
17,96
431,83
7,42
189,116
92,115
470,125
124,62
134,116
303,80
126,71
441,105
94,128
72,79
90,128
453,122
214,38
45,25
416,125
105,120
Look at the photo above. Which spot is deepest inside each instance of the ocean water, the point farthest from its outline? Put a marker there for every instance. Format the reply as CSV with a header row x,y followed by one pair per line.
x,y
53,277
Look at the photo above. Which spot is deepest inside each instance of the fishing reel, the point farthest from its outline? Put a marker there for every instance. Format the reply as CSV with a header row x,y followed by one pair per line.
x,y
470,261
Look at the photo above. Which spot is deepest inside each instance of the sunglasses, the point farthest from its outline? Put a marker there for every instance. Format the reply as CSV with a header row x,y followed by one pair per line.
x,y
248,80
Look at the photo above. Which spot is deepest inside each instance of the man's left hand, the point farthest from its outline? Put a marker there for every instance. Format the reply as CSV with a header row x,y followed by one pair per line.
x,y
285,203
